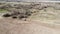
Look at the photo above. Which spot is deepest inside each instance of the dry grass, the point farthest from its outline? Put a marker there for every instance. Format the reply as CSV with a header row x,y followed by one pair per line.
x,y
45,21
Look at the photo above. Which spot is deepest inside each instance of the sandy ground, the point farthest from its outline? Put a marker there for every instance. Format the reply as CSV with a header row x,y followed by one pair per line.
x,y
46,21
13,26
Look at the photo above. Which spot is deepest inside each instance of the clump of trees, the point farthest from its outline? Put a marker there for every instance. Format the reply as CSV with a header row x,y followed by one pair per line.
x,y
19,10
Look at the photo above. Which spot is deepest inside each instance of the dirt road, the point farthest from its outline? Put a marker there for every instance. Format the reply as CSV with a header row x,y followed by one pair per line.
x,y
12,26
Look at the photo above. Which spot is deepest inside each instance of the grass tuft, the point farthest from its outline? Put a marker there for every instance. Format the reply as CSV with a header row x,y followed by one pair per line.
x,y
3,10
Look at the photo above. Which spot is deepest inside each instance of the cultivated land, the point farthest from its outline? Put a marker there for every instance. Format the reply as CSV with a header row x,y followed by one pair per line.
x,y
37,18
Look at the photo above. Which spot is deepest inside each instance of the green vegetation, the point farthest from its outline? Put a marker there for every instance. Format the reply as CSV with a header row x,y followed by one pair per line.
x,y
3,10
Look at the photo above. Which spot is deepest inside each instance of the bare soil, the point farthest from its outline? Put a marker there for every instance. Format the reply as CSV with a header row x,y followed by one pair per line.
x,y
44,21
